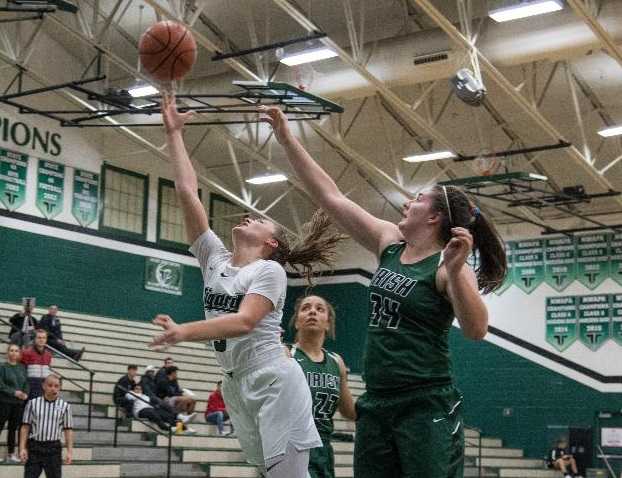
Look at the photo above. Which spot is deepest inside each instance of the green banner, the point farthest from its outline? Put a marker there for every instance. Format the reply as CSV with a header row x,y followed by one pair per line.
x,y
528,264
163,276
560,267
50,188
85,199
592,259
508,278
561,321
13,170
616,318
615,264
594,320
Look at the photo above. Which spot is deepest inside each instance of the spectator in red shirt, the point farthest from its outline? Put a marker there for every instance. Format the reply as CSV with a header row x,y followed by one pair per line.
x,y
216,412
37,360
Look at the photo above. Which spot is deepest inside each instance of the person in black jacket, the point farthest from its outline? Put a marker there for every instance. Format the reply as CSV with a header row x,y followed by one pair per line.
x,y
123,385
168,389
148,382
23,326
51,323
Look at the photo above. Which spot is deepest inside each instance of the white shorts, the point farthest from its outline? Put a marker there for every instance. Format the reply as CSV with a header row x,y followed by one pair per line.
x,y
270,407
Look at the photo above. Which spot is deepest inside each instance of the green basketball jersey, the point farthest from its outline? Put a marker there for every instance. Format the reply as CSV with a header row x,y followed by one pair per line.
x,y
324,381
409,320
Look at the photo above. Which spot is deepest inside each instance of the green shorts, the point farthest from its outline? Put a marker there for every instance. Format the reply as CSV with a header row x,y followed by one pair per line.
x,y
322,461
415,434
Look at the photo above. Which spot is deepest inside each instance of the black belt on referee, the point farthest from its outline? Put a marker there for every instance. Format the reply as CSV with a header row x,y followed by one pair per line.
x,y
44,443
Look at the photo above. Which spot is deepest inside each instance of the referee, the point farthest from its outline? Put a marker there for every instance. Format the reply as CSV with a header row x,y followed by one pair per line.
x,y
44,420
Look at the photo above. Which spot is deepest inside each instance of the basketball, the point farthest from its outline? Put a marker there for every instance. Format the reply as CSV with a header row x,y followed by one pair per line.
x,y
167,51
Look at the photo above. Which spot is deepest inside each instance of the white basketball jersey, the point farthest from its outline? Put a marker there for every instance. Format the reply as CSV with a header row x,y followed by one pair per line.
x,y
225,288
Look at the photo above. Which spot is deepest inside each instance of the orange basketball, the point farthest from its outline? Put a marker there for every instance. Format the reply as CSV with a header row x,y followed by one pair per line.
x,y
167,51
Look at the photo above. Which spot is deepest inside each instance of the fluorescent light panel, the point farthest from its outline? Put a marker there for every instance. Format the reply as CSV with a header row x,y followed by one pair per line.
x,y
613,131
143,90
270,178
418,158
525,9
308,56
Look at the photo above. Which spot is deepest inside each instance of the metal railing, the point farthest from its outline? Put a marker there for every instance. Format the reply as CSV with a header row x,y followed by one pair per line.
x,y
169,434
75,363
478,444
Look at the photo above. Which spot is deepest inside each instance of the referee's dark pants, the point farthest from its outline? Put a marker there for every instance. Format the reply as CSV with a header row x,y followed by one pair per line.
x,y
44,456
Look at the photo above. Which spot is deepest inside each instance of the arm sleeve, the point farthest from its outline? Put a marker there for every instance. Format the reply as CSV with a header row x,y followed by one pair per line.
x,y
208,248
4,388
68,418
270,281
27,418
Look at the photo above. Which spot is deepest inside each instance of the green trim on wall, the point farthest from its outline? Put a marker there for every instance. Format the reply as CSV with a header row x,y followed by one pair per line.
x,y
89,279
113,230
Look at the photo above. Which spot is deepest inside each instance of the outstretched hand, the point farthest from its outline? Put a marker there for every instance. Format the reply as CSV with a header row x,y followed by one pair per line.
x,y
171,335
277,119
173,120
457,249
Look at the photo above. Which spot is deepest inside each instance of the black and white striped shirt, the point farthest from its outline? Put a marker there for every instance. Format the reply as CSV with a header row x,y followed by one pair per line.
x,y
47,419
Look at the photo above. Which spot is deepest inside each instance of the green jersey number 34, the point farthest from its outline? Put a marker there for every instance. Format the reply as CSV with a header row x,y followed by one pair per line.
x,y
385,312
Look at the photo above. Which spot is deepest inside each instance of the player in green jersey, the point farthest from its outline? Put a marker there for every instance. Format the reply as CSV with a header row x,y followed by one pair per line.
x,y
409,421
326,374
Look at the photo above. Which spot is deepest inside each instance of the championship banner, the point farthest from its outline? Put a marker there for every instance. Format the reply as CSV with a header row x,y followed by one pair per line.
x,y
50,188
561,321
163,276
528,267
560,268
508,278
592,259
615,264
85,200
13,169
594,320
616,318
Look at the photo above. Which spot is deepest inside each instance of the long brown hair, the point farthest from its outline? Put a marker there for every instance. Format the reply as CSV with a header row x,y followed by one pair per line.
x,y
330,310
459,211
317,245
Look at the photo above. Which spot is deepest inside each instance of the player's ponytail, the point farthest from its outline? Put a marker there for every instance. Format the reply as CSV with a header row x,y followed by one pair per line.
x,y
459,211
317,245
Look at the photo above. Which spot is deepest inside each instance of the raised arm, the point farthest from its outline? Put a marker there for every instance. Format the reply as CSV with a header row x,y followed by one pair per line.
x,y
372,233
186,184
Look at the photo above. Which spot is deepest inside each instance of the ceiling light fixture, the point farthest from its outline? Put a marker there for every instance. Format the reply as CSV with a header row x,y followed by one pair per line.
x,y
140,90
609,132
419,158
524,9
308,56
270,178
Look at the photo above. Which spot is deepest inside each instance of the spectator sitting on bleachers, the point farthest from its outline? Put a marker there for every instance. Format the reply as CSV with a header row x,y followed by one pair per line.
x,y
169,390
147,408
122,386
13,396
37,360
161,375
23,326
561,459
51,323
216,411
148,382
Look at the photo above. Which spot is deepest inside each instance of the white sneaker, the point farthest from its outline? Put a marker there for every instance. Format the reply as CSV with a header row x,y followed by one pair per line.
x,y
13,459
190,431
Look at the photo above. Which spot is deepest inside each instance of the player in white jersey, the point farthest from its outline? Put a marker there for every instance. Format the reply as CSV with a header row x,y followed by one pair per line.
x,y
264,389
